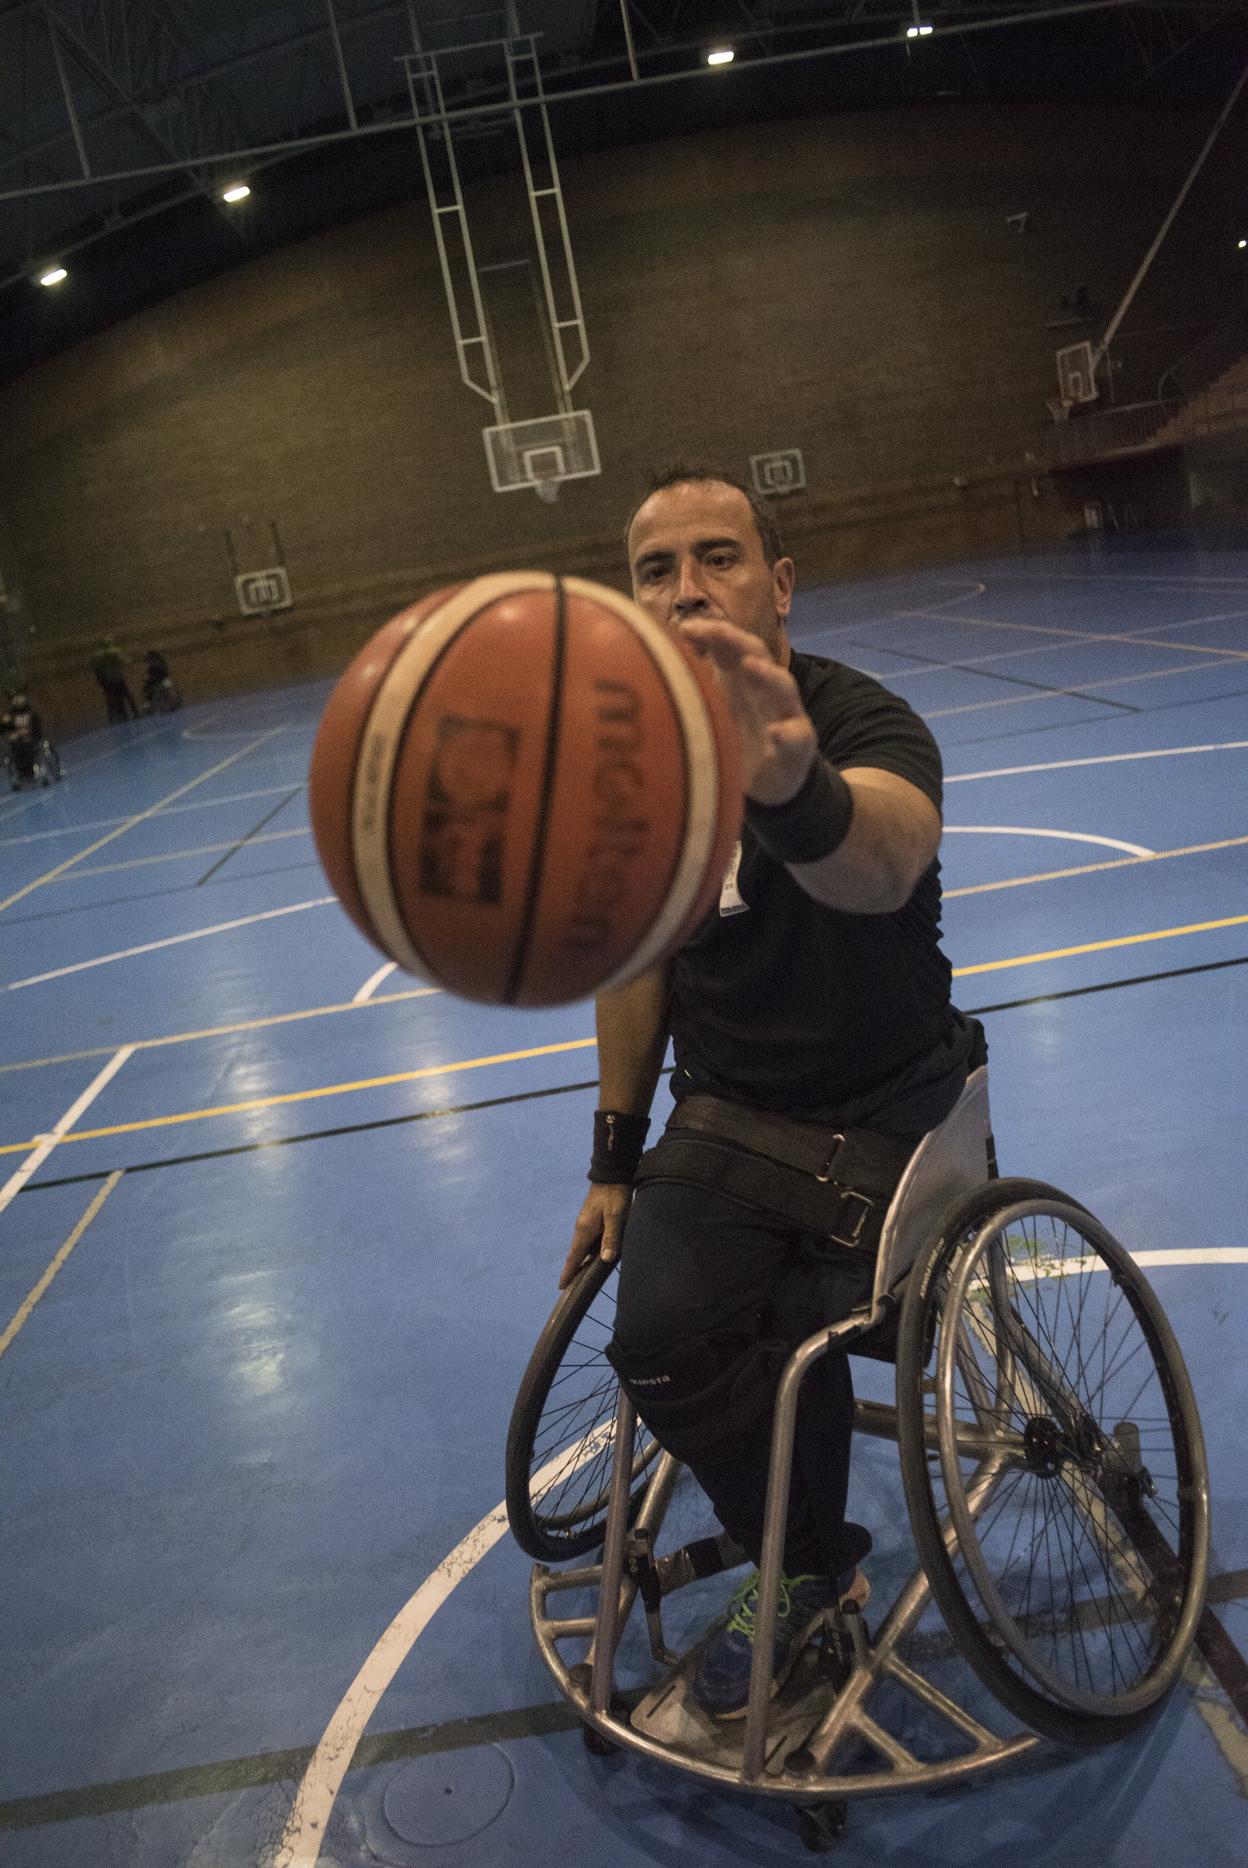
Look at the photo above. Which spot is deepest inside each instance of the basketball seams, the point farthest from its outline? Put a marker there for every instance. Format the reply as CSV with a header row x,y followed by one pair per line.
x,y
381,741
702,777
541,829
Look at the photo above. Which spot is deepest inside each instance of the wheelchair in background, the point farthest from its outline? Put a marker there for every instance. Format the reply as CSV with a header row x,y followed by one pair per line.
x,y
1055,1481
31,762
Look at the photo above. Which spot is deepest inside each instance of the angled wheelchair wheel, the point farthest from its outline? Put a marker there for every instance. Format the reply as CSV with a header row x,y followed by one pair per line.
x,y
1053,1462
562,1434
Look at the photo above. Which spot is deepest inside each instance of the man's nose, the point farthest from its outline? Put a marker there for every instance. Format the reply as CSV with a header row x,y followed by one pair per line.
x,y
690,596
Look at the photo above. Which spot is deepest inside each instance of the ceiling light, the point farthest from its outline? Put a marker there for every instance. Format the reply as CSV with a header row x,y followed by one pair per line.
x,y
53,275
1243,243
917,32
237,191
722,55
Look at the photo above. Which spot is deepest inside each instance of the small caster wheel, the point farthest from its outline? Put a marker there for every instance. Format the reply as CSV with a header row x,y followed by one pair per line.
x,y
596,1744
820,1825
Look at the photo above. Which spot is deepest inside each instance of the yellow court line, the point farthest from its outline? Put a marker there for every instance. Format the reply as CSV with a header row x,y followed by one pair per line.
x,y
1092,869
203,849
306,1096
424,992
226,1031
32,1297
30,887
1096,946
572,1044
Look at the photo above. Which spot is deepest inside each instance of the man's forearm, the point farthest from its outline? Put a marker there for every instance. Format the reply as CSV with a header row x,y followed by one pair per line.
x,y
632,1041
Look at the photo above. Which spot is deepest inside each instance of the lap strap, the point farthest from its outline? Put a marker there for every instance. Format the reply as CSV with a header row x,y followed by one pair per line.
x,y
857,1158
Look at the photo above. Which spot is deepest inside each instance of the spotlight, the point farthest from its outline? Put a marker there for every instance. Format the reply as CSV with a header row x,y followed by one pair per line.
x,y
723,55
53,275
1243,243
237,191
917,32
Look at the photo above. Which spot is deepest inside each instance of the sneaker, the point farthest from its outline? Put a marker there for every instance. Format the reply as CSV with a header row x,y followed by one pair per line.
x,y
722,1685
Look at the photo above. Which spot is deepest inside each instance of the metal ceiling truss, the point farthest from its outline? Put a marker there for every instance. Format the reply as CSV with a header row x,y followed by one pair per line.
x,y
111,110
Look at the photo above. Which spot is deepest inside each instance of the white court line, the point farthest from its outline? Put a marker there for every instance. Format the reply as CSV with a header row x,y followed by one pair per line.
x,y
44,1144
304,1834
38,1290
373,981
174,810
1073,691
130,822
171,940
174,856
1065,836
1104,758
1034,649
189,732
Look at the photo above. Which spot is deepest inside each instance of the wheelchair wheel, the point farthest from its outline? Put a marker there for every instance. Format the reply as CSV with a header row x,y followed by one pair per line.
x,y
562,1434
1054,1467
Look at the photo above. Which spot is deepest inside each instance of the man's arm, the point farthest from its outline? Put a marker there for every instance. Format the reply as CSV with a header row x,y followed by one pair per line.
x,y
894,829
893,837
632,1040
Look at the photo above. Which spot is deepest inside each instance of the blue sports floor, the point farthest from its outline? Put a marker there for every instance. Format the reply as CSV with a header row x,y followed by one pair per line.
x,y
277,1234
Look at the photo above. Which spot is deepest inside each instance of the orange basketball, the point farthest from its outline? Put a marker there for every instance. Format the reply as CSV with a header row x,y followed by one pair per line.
x,y
525,790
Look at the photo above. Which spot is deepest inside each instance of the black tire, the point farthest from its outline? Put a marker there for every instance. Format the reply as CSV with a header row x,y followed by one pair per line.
x,y
1088,1656
567,1393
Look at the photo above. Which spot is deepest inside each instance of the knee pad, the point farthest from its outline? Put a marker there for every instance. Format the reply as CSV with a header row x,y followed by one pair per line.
x,y
702,1395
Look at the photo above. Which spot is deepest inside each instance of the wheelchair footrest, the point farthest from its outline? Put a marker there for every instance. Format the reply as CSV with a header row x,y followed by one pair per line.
x,y
670,1715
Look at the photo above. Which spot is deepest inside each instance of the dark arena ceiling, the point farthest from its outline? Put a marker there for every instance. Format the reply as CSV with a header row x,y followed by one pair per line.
x,y
122,120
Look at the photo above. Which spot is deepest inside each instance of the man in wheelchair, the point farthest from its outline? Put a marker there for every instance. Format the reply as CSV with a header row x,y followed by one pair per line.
x,y
22,732
815,1042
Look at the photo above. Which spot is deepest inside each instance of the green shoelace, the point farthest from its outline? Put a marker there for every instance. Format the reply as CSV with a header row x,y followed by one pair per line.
x,y
744,1603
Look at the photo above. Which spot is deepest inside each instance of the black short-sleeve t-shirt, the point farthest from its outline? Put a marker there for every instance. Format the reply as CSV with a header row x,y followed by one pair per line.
x,y
782,1003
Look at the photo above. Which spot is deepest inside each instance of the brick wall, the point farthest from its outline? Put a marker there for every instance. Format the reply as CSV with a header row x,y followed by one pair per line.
x,y
846,285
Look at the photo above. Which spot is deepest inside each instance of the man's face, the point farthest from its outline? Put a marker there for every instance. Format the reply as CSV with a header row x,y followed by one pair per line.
x,y
694,551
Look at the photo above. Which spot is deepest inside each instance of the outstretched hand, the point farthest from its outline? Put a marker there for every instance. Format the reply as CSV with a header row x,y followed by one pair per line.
x,y
778,740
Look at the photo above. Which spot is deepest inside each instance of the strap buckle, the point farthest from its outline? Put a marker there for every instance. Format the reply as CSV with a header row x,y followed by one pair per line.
x,y
825,1172
859,1223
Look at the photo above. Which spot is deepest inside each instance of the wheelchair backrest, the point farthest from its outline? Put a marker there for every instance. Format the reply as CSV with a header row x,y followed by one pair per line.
x,y
948,1162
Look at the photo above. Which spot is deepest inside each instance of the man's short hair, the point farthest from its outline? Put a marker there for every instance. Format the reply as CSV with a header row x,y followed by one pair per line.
x,y
686,474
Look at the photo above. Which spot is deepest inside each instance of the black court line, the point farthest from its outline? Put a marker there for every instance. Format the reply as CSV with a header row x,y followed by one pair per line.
x,y
255,829
231,1775
558,1089
275,1767
1144,713
1014,681
155,895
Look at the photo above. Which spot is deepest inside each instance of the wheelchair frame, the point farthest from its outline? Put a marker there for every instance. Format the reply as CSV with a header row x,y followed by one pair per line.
x,y
46,767
787,1746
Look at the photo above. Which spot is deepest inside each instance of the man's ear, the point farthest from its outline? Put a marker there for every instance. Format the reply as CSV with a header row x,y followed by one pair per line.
x,y
783,578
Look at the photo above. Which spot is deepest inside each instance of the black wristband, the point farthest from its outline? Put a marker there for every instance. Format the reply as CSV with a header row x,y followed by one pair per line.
x,y
812,824
618,1141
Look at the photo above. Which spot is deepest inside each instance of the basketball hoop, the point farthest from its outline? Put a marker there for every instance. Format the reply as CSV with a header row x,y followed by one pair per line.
x,y
547,490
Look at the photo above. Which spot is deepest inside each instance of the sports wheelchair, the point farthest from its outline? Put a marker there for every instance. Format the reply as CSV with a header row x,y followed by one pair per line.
x,y
37,764
1054,1475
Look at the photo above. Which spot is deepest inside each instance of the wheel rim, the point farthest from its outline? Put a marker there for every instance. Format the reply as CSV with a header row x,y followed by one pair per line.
x,y
1085,1537
570,1458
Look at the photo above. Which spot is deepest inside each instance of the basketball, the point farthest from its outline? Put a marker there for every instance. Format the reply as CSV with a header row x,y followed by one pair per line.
x,y
524,790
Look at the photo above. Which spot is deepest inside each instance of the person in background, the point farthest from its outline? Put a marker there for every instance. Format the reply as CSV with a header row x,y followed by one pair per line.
x,y
23,730
110,671
159,693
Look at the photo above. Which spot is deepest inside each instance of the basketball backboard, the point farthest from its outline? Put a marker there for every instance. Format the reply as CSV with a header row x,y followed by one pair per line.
x,y
542,454
1076,373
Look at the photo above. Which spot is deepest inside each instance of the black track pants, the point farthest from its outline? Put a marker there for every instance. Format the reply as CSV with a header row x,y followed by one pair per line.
x,y
695,1265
